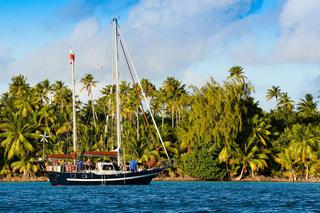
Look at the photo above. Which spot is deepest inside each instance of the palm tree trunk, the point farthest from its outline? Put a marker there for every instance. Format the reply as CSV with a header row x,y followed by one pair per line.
x,y
112,132
93,112
177,121
227,169
61,107
51,98
137,125
241,174
162,121
293,175
172,118
307,172
189,149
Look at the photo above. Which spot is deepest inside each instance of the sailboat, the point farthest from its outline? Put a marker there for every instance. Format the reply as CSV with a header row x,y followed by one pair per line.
x,y
104,173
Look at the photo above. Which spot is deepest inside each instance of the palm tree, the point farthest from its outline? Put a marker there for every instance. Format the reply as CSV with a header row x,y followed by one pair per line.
x,y
40,93
90,136
47,115
274,92
26,166
307,107
238,83
45,84
108,99
129,100
148,88
24,105
259,131
172,90
286,103
16,134
6,171
88,83
62,95
304,142
288,162
251,154
19,86
254,157
237,73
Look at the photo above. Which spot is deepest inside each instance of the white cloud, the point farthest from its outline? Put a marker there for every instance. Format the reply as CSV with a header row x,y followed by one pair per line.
x,y
300,34
170,38
52,61
164,37
92,46
190,77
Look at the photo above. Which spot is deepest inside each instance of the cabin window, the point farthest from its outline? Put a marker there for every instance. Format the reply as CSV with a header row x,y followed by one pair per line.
x,y
84,176
73,176
107,167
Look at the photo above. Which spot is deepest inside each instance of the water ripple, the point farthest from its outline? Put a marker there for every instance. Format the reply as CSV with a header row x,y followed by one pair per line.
x,y
162,197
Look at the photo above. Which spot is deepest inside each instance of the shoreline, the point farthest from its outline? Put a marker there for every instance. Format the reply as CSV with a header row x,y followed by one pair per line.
x,y
179,179
24,179
246,179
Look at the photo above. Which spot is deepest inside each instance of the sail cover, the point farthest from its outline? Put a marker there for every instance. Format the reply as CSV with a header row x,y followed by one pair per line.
x,y
101,153
62,156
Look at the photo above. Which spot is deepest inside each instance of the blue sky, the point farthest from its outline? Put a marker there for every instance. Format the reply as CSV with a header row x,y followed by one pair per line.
x,y
276,41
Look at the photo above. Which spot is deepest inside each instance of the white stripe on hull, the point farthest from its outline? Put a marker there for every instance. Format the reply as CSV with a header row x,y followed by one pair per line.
x,y
111,179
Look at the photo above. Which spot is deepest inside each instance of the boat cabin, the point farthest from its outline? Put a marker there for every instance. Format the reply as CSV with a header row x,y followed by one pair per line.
x,y
105,166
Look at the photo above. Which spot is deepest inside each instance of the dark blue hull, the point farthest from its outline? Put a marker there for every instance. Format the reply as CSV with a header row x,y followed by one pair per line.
x,y
90,178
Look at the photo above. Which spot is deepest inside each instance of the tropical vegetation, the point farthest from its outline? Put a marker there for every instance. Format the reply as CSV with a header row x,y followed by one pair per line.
x,y
216,132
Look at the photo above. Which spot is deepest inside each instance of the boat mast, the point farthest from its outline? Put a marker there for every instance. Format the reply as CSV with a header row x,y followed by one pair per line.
x,y
74,125
116,61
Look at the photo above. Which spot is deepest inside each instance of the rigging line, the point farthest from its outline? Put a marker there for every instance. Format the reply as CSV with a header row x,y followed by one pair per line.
x,y
139,99
144,96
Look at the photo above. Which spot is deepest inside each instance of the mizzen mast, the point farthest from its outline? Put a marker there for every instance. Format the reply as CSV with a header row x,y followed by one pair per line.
x,y
74,123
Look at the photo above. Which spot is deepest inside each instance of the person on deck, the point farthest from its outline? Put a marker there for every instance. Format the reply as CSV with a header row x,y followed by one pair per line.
x,y
133,165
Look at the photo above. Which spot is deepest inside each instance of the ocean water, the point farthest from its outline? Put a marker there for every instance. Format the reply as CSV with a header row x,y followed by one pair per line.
x,y
162,197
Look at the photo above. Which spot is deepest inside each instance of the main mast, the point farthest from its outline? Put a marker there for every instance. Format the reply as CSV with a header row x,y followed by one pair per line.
x,y
74,125
116,70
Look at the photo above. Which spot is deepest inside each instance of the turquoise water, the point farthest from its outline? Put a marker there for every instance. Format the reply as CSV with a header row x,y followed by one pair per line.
x,y
162,197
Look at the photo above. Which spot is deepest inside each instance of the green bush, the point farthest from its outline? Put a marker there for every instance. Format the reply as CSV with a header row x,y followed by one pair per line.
x,y
202,163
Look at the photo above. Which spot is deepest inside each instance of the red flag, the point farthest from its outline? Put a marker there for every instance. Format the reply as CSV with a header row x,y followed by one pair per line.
x,y
72,56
